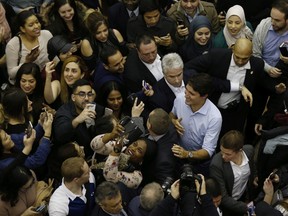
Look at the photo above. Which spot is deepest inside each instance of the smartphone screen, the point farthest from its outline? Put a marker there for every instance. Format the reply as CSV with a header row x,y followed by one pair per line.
x,y
34,48
29,129
145,85
108,111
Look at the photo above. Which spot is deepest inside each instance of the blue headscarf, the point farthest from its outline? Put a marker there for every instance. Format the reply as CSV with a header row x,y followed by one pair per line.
x,y
191,49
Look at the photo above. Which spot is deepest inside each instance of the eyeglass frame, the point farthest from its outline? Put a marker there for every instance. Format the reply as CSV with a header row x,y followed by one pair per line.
x,y
83,94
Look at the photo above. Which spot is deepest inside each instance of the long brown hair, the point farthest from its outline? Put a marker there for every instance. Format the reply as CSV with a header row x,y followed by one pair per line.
x,y
64,94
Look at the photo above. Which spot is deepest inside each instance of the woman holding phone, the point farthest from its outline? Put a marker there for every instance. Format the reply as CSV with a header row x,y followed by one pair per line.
x,y
30,45
16,107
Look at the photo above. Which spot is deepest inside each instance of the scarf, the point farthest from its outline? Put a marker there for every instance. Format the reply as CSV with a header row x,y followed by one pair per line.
x,y
4,26
245,32
191,49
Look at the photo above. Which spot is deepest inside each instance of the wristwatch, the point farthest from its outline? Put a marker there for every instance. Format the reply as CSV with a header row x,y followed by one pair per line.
x,y
190,155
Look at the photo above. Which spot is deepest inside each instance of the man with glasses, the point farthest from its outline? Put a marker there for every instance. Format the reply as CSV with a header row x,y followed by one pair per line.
x,y
184,11
71,118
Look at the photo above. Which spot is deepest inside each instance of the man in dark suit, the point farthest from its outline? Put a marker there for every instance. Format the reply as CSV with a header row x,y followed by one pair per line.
x,y
108,200
163,132
120,13
153,23
171,85
235,73
143,64
233,169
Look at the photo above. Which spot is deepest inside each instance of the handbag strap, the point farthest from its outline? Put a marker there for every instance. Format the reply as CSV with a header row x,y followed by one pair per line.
x,y
20,49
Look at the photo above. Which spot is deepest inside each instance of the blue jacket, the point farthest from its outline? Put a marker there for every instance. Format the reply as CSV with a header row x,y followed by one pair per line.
x,y
32,161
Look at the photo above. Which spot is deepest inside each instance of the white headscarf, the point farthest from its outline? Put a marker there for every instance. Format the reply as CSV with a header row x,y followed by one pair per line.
x,y
245,32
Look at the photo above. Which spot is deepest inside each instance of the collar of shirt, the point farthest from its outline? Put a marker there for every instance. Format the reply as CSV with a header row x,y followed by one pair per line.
x,y
73,196
122,213
245,160
176,90
204,109
156,61
136,12
244,67
156,137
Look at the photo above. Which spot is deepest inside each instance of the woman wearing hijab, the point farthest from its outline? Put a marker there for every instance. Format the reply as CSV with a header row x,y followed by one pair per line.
x,y
199,40
235,27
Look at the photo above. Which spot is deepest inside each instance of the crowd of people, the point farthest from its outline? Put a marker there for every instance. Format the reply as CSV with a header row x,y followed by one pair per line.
x,y
143,107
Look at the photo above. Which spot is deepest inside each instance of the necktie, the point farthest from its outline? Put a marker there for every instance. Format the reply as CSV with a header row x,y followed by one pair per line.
x,y
132,14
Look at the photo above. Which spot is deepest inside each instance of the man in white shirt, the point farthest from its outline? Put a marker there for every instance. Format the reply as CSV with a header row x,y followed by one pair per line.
x,y
144,63
72,197
232,168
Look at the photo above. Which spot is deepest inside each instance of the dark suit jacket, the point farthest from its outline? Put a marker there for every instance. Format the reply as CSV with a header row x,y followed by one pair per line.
x,y
163,97
97,211
264,209
223,174
64,131
135,72
216,63
163,165
137,27
118,18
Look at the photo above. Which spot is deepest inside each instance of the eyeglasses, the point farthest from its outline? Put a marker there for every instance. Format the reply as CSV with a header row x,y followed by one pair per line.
x,y
84,94
187,1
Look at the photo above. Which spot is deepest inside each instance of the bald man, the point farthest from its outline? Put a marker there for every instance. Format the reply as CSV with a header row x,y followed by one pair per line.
x,y
235,72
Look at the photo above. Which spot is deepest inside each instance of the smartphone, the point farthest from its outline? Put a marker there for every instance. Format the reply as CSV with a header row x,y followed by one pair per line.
x,y
223,12
76,40
145,85
181,22
251,209
283,49
92,106
108,111
29,129
272,175
131,99
35,48
40,208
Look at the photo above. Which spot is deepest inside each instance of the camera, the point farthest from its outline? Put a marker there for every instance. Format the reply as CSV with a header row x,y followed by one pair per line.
x,y
187,179
166,186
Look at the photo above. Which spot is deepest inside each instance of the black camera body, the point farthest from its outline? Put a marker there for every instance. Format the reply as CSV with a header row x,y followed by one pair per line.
x,y
166,186
187,179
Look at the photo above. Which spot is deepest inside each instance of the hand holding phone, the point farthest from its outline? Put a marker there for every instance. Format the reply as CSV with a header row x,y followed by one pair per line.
x,y
29,129
40,208
145,85
283,49
35,48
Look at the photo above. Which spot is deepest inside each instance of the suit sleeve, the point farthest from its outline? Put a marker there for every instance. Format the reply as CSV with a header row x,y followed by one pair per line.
x,y
216,171
204,64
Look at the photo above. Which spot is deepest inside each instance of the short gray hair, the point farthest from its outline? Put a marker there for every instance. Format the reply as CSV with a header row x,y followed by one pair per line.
x,y
106,190
171,61
151,195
